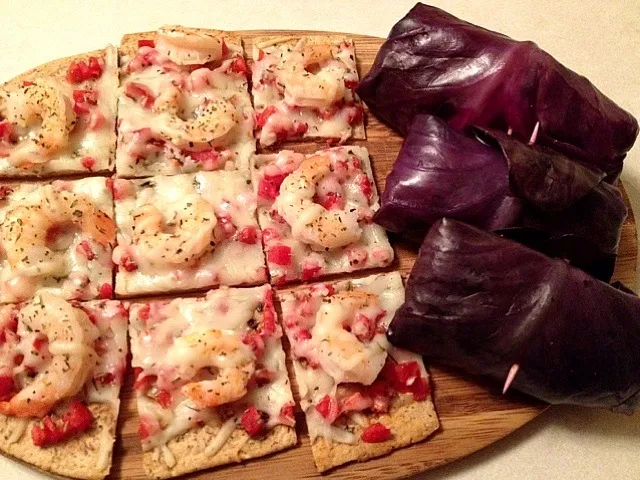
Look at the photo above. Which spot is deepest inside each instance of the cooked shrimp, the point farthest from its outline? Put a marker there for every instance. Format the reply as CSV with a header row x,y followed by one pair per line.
x,y
317,88
189,46
24,231
339,351
181,240
212,119
43,103
311,222
233,363
71,336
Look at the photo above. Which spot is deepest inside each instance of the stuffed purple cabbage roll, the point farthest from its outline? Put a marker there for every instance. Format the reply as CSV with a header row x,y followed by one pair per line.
x,y
492,181
433,62
493,307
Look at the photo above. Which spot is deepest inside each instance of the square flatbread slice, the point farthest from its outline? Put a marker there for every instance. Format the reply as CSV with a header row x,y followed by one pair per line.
x,y
87,454
316,213
187,232
191,420
59,118
362,397
184,103
303,87
57,238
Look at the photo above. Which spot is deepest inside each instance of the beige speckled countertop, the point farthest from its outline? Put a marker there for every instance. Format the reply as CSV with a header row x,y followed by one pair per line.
x,y
598,38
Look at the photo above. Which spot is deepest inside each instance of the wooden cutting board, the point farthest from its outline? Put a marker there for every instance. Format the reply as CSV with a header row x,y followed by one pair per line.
x,y
472,413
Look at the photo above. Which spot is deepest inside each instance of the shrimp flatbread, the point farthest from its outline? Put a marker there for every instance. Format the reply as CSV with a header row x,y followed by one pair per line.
x,y
62,366
362,397
56,237
185,232
59,118
211,381
303,87
184,103
316,213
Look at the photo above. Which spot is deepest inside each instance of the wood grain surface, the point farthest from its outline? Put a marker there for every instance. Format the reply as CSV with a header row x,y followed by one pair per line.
x,y
472,413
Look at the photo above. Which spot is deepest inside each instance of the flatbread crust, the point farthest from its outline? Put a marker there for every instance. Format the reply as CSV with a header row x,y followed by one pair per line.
x,y
409,422
189,450
358,131
129,42
87,456
58,69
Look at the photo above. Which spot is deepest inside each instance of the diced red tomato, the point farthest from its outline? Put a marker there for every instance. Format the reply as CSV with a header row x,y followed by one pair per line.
x,y
356,402
140,93
79,71
146,43
248,235
363,327
76,419
405,378
329,408
10,326
255,341
329,112
27,83
142,382
224,49
147,427
362,181
280,255
6,131
106,290
253,422
209,159
238,65
351,83
355,115
164,398
263,116
85,96
287,416
6,388
106,379
84,248
5,191
310,271
269,186
260,54
88,162
331,201
144,312
375,433
301,335
40,343
128,263
300,128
